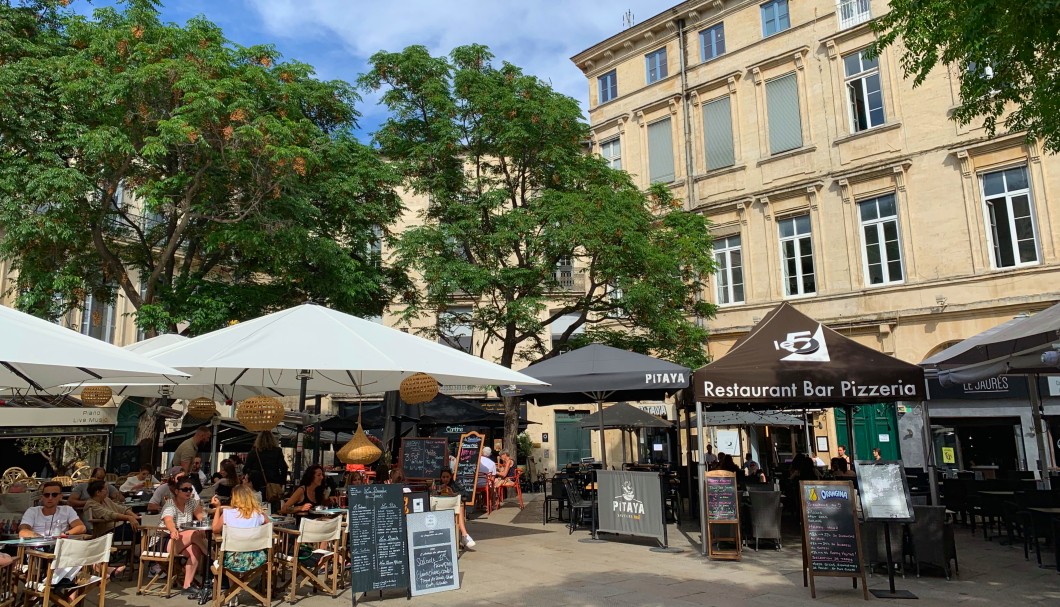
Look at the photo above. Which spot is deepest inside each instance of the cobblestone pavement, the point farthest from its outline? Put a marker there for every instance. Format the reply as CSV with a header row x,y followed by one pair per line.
x,y
519,561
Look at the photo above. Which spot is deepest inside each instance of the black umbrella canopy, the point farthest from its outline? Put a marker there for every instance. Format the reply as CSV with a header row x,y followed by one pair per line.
x,y
373,416
598,373
444,410
623,416
789,358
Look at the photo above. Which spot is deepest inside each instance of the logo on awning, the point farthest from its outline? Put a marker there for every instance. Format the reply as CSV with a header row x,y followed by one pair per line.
x,y
804,346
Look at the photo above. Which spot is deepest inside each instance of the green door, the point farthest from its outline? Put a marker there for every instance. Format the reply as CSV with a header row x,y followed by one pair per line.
x,y
874,426
572,443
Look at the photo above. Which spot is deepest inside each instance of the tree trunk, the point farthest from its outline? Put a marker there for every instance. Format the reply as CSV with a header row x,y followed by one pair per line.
x,y
511,426
148,427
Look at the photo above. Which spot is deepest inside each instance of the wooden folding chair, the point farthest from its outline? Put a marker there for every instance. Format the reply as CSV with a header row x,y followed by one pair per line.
x,y
154,550
326,537
85,560
240,539
8,584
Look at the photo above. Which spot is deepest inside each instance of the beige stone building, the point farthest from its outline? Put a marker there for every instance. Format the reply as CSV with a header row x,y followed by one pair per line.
x,y
833,183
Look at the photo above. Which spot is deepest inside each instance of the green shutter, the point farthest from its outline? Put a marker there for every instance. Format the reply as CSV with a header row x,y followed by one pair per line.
x,y
717,133
661,152
785,124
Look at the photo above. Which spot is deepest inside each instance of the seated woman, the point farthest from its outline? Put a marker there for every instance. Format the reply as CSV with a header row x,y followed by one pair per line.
x,y
108,516
243,511
397,477
228,481
446,486
309,494
181,510
841,469
506,471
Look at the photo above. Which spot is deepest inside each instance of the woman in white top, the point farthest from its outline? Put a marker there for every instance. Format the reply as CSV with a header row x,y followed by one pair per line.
x,y
181,510
244,511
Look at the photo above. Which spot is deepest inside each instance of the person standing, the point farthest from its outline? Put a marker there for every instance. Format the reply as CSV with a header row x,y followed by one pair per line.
x,y
187,450
876,454
709,458
843,454
267,468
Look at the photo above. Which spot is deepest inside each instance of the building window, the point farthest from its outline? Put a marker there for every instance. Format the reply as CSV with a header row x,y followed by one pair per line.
x,y
785,120
454,329
712,42
717,133
883,250
1011,214
775,17
728,256
863,90
564,273
796,251
655,65
98,318
612,152
853,12
661,152
608,86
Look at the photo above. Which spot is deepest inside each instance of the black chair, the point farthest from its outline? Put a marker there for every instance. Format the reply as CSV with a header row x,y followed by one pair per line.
x,y
577,507
556,493
932,539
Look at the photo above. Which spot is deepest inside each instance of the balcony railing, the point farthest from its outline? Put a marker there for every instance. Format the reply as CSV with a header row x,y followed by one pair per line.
x,y
853,12
569,280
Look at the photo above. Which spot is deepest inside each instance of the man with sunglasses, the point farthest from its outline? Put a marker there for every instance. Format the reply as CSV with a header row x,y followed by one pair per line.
x,y
50,518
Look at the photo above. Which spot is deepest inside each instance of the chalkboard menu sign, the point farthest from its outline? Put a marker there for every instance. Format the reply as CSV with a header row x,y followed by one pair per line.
x,y
432,552
722,501
424,458
467,462
831,537
378,556
884,491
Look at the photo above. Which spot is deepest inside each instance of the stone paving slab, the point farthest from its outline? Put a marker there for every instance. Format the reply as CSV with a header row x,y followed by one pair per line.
x,y
520,562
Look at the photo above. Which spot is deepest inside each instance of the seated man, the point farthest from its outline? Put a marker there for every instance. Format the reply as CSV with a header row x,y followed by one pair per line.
x,y
79,496
50,519
142,480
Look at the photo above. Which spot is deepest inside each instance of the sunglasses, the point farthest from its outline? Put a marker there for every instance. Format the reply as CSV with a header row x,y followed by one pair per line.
x,y
186,489
50,494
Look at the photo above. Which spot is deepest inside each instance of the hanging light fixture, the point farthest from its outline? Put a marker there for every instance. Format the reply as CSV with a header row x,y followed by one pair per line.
x,y
202,408
260,413
360,450
418,388
96,396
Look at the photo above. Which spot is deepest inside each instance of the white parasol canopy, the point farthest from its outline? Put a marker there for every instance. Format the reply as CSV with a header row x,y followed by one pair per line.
x,y
36,355
340,352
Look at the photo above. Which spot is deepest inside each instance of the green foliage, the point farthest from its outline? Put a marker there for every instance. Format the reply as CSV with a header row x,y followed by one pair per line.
x,y
62,452
207,181
512,193
526,445
1017,41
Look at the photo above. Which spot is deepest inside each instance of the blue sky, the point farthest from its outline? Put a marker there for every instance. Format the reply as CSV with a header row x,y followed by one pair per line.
x,y
338,36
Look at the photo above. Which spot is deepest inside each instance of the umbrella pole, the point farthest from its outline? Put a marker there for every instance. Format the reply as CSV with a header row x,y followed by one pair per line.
x,y
303,379
603,445
806,427
622,432
1036,416
214,423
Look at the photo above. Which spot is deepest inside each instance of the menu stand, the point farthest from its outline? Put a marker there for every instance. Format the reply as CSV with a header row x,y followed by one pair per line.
x,y
885,498
890,593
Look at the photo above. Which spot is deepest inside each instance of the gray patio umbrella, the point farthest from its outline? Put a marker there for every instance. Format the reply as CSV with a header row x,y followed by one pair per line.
x,y
624,417
598,373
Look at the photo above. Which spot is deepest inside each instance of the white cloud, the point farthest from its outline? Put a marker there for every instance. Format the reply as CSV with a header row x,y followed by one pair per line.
x,y
539,37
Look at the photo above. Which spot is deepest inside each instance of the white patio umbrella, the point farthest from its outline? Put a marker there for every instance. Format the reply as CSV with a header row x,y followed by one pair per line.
x,y
319,350
36,355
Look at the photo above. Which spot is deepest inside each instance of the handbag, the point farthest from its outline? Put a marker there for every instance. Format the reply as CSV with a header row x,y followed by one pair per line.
x,y
273,491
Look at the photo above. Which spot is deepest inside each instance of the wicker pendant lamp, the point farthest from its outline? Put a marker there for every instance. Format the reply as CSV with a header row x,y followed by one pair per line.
x,y
96,396
418,388
260,413
202,408
359,450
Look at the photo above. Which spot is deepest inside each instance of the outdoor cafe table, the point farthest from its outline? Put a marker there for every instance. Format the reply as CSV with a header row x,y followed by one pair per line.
x,y
992,507
1051,516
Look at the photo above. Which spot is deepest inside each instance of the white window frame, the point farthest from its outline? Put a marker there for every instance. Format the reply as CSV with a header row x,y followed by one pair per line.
x,y
988,219
655,64
611,151
852,12
607,83
857,86
724,248
459,332
771,12
715,36
878,225
108,322
801,273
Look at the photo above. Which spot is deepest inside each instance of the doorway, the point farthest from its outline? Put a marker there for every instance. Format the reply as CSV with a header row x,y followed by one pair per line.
x,y
572,442
874,426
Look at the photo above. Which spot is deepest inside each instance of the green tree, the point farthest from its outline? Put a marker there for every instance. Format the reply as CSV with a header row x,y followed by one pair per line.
x,y
1006,54
512,194
62,452
205,181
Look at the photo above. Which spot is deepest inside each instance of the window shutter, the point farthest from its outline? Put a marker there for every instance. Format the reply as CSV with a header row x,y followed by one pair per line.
x,y
660,152
717,132
785,124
